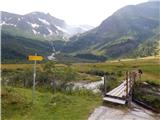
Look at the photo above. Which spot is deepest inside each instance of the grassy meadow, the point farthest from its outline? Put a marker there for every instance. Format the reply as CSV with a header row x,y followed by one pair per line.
x,y
63,105
149,66
17,105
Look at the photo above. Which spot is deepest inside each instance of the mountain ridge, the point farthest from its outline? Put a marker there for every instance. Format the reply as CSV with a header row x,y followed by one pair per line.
x,y
40,24
132,31
119,35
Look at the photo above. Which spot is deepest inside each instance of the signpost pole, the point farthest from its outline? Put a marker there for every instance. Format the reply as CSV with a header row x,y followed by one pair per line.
x,y
34,80
34,58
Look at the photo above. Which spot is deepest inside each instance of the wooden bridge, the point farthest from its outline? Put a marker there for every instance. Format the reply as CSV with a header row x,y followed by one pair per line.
x,y
123,93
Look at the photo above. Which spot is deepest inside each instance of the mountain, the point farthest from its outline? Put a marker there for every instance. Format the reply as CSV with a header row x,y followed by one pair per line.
x,y
36,32
17,48
78,29
129,30
41,25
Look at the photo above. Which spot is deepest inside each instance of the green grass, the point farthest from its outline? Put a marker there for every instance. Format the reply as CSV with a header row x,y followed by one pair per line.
x,y
16,102
148,94
11,69
150,68
16,105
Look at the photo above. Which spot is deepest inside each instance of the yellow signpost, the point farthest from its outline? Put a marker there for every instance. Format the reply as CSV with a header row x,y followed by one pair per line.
x,y
34,58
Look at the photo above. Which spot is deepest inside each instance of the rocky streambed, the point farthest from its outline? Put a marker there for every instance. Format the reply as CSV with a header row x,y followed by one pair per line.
x,y
94,86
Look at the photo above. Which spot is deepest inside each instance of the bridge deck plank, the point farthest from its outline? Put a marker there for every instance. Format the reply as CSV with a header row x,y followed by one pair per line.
x,y
114,100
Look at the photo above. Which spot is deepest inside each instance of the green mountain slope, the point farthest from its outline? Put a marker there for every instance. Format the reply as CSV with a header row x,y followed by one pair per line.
x,y
120,34
18,48
148,48
18,44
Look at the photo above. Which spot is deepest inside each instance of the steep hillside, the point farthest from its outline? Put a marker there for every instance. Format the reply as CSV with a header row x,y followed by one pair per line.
x,y
18,48
121,33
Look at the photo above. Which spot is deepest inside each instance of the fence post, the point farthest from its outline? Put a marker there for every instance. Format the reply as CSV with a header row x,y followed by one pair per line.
x,y
127,86
130,89
105,89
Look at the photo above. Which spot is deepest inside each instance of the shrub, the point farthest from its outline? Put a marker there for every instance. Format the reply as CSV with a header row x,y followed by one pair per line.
x,y
96,72
60,98
147,95
119,73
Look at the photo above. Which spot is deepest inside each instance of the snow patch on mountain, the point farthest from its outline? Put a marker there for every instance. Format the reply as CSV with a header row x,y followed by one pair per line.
x,y
34,31
44,21
57,33
61,29
34,25
4,23
50,31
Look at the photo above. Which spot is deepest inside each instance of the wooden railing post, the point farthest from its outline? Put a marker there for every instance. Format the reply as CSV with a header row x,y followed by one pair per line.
x,y
126,83
130,89
105,87
130,81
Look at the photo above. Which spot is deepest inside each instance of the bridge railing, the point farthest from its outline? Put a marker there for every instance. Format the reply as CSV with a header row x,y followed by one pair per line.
x,y
131,78
124,90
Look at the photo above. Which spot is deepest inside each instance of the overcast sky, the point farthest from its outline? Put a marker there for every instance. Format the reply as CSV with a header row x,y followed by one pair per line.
x,y
74,12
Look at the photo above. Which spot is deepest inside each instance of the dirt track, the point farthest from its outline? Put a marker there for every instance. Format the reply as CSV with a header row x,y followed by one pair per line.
x,y
135,113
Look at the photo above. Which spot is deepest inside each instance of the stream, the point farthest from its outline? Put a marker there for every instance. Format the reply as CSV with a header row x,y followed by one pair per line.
x,y
94,86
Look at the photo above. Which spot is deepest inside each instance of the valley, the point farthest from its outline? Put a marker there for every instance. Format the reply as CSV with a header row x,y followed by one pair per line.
x,y
125,34
88,63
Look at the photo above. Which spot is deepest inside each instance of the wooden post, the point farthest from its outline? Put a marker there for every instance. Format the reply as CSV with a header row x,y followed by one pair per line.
x,y
127,86
126,83
105,89
130,81
130,90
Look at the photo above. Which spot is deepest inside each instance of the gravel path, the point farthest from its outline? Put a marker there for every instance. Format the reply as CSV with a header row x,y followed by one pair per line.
x,y
135,113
